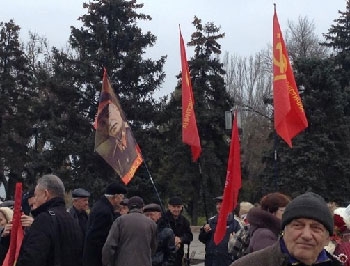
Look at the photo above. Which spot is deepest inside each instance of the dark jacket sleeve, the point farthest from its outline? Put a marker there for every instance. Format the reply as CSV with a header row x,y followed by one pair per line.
x,y
36,244
187,236
203,236
4,246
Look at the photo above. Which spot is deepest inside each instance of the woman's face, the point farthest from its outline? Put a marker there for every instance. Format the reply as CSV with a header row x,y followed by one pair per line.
x,y
3,220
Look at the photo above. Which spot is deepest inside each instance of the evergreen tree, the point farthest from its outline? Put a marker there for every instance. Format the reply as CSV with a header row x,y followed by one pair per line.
x,y
110,37
16,113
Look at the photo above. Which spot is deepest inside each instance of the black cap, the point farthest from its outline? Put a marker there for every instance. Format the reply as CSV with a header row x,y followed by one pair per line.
x,y
115,188
153,207
135,202
175,201
124,202
80,193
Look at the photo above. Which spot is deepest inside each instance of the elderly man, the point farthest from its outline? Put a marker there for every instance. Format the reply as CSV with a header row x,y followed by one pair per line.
x,y
54,238
166,251
80,202
132,239
100,220
307,224
180,225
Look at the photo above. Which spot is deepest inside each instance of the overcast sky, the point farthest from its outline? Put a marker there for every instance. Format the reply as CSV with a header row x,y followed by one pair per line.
x,y
246,23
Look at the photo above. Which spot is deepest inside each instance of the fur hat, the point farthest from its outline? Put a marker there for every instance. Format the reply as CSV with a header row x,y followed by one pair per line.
x,y
115,188
311,206
7,212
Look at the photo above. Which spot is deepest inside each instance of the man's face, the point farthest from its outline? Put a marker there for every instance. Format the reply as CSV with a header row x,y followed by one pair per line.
x,y
218,206
305,239
41,195
175,210
153,215
81,204
115,120
31,202
117,199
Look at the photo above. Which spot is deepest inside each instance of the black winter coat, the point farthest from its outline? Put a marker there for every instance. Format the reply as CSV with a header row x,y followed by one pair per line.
x,y
99,223
38,243
182,229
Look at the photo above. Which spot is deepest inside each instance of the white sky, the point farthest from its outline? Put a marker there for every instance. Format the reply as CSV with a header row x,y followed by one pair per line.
x,y
246,23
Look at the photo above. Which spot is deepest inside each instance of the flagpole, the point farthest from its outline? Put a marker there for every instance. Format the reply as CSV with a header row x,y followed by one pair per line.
x,y
203,190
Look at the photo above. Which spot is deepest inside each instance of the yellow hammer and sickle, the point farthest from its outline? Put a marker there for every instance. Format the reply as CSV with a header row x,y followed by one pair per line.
x,y
282,63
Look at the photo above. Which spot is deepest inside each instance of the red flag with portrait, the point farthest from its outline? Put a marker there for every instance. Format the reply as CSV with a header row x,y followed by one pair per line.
x,y
190,134
289,115
114,140
232,184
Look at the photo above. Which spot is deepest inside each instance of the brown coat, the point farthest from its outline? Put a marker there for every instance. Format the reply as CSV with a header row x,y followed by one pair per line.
x,y
272,256
132,240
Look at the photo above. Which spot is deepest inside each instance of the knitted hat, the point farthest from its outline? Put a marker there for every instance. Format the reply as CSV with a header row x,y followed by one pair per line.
x,y
311,206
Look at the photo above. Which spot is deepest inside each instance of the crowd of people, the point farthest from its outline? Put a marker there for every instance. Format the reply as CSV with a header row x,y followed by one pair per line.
x,y
120,231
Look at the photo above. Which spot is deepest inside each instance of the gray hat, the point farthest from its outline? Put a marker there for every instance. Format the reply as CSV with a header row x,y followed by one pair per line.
x,y
115,188
80,193
311,206
175,201
135,202
153,207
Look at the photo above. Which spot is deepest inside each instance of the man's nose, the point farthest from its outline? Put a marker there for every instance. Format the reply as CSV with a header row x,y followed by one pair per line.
x,y
307,232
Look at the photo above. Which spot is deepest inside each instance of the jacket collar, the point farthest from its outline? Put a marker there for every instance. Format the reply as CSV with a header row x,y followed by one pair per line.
x,y
54,202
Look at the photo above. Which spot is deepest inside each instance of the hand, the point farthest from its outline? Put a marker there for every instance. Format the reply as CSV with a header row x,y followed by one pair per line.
x,y
26,220
7,229
206,228
177,242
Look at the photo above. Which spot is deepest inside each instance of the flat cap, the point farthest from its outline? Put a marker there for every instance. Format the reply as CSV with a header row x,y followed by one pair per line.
x,y
218,199
153,207
175,201
80,193
115,188
135,202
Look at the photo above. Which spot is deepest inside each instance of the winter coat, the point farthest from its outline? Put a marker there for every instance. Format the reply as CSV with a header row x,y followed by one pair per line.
x,y
264,229
81,217
100,221
166,251
218,252
273,256
342,249
131,241
38,246
181,228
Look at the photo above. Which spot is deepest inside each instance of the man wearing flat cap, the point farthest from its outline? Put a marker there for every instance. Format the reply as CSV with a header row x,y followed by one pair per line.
x,y
307,225
166,251
217,254
132,239
180,225
100,221
80,204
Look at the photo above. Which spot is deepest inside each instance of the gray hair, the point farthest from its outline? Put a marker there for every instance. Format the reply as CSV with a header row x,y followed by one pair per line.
x,y
53,184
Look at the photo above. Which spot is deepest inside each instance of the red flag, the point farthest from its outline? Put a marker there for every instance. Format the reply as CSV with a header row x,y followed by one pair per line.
x,y
232,184
113,139
289,115
189,126
16,236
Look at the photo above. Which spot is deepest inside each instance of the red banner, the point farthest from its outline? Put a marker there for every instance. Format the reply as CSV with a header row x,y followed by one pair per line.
x,y
114,140
289,115
232,184
16,236
190,134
